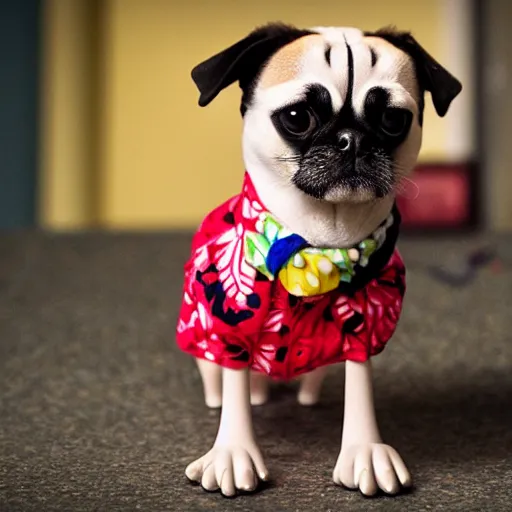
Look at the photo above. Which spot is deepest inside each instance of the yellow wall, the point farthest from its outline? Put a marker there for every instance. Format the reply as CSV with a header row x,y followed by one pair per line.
x,y
163,161
68,144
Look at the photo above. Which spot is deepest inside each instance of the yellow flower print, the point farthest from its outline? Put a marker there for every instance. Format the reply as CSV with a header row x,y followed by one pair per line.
x,y
309,273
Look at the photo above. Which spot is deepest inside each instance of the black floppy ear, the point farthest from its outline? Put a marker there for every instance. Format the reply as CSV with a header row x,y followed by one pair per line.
x,y
433,77
241,61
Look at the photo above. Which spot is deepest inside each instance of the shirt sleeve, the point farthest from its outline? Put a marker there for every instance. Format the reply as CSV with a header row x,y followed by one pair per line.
x,y
225,300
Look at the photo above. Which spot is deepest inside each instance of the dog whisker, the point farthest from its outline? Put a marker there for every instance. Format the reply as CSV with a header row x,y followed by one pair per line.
x,y
402,189
288,158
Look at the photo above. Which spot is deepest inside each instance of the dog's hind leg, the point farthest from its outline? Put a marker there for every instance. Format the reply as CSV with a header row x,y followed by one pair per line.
x,y
311,386
211,374
259,388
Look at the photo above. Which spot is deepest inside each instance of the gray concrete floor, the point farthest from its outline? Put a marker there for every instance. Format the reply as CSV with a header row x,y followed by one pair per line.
x,y
100,411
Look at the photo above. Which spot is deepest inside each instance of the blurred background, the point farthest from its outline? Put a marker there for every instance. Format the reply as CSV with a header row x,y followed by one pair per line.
x,y
100,127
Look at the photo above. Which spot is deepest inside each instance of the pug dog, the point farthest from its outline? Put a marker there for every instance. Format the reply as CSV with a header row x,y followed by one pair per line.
x,y
300,270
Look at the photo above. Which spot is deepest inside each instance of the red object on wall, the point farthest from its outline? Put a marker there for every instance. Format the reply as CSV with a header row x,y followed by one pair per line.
x,y
438,197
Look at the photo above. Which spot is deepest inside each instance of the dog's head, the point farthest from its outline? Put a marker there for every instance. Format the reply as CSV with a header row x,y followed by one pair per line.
x,y
336,112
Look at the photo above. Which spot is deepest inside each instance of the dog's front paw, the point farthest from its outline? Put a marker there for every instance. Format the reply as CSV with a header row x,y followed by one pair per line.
x,y
368,467
229,468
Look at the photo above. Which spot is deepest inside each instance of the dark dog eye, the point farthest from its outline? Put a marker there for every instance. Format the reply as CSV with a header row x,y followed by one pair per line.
x,y
298,120
395,121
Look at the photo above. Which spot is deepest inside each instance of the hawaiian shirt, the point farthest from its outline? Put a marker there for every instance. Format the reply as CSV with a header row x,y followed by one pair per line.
x,y
256,295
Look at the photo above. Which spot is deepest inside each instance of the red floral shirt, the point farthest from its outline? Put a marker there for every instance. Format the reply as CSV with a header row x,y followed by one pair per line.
x,y
233,315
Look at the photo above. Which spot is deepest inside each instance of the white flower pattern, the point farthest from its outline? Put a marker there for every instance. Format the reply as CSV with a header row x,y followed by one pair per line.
x,y
235,274
274,321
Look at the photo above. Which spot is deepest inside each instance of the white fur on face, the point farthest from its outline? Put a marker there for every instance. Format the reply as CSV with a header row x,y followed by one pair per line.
x,y
302,63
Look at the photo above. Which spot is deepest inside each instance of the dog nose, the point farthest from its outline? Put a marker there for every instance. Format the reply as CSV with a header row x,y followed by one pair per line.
x,y
346,141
